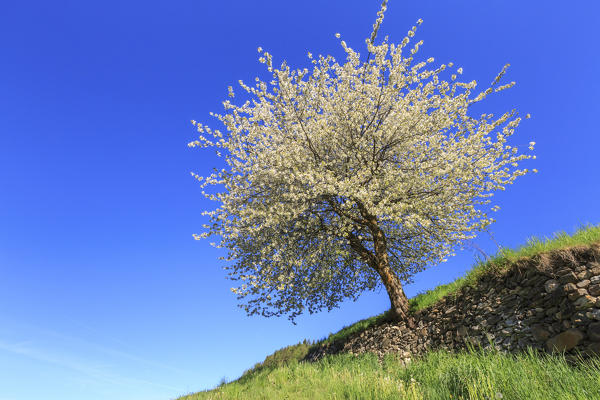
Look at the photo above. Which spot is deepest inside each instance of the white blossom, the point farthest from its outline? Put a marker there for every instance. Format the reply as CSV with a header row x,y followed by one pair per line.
x,y
324,159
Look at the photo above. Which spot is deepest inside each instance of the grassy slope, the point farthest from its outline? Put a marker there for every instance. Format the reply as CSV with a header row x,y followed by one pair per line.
x,y
441,375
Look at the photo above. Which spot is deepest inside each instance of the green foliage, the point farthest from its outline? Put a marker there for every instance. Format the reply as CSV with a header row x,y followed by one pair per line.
x,y
282,357
430,297
475,374
356,327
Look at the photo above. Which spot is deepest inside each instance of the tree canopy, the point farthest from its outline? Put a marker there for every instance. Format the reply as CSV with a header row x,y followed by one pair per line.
x,y
350,176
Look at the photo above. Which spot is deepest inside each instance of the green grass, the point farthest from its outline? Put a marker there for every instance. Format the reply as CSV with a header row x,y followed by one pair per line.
x,y
473,374
440,375
583,236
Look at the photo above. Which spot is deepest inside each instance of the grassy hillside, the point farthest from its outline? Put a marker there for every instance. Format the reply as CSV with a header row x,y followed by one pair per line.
x,y
438,375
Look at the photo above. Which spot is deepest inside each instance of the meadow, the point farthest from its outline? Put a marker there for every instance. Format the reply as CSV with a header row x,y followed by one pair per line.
x,y
470,374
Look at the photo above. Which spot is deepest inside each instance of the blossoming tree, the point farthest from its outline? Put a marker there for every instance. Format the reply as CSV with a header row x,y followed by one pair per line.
x,y
357,176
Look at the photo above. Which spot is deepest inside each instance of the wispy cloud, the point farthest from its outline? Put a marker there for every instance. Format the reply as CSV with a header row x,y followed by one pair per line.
x,y
98,372
115,352
74,340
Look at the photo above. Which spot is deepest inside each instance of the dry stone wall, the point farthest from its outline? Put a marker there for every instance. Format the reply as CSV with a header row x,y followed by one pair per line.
x,y
550,302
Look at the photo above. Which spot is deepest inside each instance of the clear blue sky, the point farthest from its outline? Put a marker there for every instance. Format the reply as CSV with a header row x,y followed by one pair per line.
x,y
104,294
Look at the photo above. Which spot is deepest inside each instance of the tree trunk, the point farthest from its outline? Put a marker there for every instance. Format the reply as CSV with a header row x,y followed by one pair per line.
x,y
399,310
398,301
